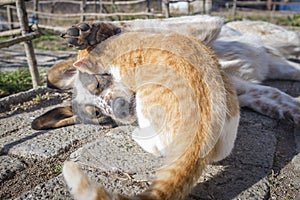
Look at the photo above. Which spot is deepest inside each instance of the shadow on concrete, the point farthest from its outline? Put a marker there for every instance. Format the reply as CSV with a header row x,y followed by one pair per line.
x,y
256,157
5,149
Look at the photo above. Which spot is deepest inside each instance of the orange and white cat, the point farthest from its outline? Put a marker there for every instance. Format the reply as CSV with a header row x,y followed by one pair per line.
x,y
154,95
185,105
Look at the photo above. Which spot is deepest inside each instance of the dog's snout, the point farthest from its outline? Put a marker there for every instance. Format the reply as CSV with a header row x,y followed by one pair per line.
x,y
120,107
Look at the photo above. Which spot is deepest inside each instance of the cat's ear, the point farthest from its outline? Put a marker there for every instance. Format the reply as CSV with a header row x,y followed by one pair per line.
x,y
62,74
55,118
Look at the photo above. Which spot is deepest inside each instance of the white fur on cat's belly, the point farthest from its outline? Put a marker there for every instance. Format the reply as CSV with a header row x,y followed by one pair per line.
x,y
149,140
227,138
142,120
145,135
115,72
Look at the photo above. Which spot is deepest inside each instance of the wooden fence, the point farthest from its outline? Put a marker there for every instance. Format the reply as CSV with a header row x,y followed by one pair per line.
x,y
101,9
26,35
269,4
50,12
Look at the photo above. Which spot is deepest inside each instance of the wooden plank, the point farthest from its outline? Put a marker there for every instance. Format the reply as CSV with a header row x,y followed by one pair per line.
x,y
10,33
52,15
19,39
176,1
93,3
58,29
58,1
286,3
128,2
7,2
247,3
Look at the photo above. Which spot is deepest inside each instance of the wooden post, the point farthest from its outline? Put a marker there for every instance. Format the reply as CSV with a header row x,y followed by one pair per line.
x,y
233,14
101,6
10,20
167,7
189,7
272,12
36,8
148,6
52,7
203,7
269,5
96,8
82,10
113,2
113,5
22,16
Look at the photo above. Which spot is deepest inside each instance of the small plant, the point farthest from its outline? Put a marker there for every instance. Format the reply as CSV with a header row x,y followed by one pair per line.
x,y
38,98
56,168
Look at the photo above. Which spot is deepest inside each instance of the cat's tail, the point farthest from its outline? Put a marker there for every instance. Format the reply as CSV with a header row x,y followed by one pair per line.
x,y
174,179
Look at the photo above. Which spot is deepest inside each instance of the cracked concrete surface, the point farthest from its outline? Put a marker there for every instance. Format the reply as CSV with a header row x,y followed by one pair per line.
x,y
264,163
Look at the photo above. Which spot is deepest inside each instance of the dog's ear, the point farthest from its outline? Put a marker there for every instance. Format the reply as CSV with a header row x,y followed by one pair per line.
x,y
55,118
62,74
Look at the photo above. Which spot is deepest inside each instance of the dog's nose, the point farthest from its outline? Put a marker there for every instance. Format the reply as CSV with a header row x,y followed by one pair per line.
x,y
120,108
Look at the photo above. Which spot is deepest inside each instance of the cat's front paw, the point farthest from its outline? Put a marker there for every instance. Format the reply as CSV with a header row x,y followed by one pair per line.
x,y
85,35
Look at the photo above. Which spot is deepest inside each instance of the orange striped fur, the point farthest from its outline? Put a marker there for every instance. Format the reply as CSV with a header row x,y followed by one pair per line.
x,y
186,108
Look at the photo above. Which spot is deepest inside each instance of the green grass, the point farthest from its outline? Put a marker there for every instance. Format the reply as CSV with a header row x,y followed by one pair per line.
x,y
50,40
56,168
16,81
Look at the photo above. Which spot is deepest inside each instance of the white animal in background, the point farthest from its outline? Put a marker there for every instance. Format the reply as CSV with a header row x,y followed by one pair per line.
x,y
285,41
250,61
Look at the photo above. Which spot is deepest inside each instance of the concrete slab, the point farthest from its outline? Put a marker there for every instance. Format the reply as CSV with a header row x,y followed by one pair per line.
x,y
116,151
243,175
52,189
117,163
19,139
45,144
9,166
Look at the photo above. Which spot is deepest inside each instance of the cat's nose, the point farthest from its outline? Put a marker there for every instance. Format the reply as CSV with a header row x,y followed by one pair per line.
x,y
120,108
